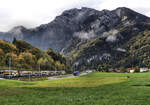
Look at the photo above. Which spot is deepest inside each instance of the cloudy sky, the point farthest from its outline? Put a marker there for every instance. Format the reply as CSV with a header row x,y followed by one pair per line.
x,y
32,13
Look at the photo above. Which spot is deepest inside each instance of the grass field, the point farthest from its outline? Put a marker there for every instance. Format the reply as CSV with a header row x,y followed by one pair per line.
x,y
92,89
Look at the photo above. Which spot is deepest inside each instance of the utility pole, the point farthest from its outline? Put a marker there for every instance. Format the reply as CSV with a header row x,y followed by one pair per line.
x,y
132,59
55,70
29,76
39,69
9,66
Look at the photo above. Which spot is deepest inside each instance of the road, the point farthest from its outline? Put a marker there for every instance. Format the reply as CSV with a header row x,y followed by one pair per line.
x,y
70,76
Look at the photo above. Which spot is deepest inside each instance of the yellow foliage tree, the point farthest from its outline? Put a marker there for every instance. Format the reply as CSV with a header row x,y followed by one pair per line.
x,y
7,47
13,57
2,55
28,58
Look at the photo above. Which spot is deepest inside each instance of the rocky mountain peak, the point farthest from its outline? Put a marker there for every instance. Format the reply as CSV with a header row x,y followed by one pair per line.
x,y
17,30
130,15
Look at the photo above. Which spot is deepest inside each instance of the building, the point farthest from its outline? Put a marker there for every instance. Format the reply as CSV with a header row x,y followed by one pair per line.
x,y
144,69
131,70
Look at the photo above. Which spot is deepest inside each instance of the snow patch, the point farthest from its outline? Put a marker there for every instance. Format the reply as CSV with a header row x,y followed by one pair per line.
x,y
121,49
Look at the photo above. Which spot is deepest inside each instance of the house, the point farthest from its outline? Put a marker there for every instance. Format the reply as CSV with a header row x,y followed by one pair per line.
x,y
144,69
131,70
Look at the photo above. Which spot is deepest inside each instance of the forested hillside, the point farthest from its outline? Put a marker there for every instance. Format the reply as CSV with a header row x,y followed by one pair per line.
x,y
129,47
20,55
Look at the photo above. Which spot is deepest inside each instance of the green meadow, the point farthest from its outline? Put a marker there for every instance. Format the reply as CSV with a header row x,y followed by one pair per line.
x,y
92,89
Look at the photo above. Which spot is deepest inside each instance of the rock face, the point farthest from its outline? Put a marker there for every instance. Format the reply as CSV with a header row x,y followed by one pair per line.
x,y
75,31
84,23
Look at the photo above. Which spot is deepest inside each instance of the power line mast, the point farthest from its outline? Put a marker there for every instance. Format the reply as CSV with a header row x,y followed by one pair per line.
x,y
39,68
9,66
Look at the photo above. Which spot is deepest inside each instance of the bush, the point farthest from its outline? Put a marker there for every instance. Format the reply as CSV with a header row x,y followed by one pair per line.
x,y
137,69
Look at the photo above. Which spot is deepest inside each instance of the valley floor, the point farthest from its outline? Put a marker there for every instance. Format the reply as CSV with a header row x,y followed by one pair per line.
x,y
92,89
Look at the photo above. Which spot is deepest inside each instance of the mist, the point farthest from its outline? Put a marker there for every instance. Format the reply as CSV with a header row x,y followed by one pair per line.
x,y
84,35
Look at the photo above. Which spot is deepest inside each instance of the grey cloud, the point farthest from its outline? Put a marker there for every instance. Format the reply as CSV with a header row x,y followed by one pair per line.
x,y
142,10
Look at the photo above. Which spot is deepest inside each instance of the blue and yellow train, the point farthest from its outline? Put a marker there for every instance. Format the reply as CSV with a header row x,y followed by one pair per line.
x,y
17,73
9,73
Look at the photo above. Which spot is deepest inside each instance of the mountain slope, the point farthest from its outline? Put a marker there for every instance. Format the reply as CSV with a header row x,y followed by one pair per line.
x,y
129,47
84,23
90,38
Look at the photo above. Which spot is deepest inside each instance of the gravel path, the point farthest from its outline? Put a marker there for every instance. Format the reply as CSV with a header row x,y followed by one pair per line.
x,y
72,76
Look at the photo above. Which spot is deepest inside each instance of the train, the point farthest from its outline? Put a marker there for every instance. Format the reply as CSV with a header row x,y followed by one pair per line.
x,y
8,73
17,73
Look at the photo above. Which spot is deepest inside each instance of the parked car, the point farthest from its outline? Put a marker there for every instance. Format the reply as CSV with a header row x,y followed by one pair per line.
x,y
89,71
76,73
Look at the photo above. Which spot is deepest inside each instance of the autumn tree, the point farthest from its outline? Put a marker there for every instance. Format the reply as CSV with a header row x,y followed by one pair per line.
x,y
2,57
27,59
13,58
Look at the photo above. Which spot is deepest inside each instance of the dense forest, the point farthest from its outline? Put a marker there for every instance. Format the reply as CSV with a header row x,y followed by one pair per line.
x,y
20,55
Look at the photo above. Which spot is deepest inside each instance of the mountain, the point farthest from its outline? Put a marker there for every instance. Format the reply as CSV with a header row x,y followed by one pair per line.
x,y
122,47
119,45
91,38
84,23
